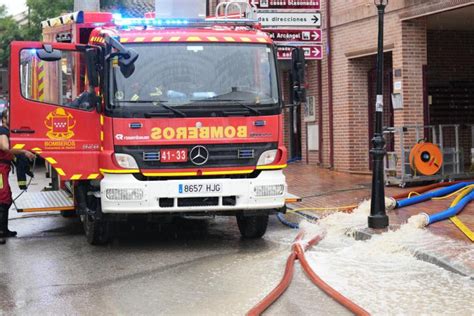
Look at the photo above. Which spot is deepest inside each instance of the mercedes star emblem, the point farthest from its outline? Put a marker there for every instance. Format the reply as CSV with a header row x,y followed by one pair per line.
x,y
199,155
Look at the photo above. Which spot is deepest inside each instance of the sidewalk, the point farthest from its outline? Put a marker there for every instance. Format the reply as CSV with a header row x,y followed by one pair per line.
x,y
324,188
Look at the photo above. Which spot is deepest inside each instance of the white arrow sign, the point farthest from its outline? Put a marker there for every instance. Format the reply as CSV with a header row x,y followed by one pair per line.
x,y
289,18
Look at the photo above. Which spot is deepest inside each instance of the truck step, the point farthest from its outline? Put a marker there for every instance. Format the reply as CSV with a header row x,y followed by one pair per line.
x,y
45,201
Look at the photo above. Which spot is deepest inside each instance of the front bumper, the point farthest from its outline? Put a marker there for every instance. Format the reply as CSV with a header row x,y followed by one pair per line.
x,y
151,194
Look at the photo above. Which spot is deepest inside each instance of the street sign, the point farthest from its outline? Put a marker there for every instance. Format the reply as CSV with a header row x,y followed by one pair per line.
x,y
311,52
288,4
285,35
303,19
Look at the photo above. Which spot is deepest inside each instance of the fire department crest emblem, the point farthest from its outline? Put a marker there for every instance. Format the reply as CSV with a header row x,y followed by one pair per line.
x,y
60,124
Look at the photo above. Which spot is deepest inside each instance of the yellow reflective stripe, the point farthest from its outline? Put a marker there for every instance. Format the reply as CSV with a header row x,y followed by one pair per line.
x,y
271,167
41,86
212,38
60,171
156,38
245,39
41,74
119,171
194,39
101,135
76,177
262,40
124,39
215,173
170,174
174,38
19,146
456,221
101,119
51,160
139,39
93,176
36,149
229,39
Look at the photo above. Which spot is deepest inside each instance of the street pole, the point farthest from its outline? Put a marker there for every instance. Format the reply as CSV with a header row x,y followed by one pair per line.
x,y
378,218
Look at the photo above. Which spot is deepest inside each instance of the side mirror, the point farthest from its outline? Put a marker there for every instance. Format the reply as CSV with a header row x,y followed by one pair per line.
x,y
298,75
126,56
126,70
127,62
47,53
91,61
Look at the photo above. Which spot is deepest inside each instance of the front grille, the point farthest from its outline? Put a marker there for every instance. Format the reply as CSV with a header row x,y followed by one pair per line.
x,y
220,155
198,201
151,156
166,202
246,153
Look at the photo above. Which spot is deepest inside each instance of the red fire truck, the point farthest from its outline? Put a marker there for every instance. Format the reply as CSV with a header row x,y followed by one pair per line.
x,y
154,117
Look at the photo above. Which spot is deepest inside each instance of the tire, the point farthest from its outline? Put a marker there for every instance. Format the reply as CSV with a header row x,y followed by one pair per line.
x,y
97,231
252,227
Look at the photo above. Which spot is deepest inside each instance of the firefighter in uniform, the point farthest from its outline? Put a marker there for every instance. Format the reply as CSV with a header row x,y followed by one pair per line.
x,y
6,157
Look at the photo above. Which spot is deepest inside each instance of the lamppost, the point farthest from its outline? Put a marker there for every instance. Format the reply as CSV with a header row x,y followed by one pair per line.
x,y
378,218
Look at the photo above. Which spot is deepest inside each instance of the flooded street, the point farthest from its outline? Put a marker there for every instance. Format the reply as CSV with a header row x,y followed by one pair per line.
x,y
199,267
202,267
383,275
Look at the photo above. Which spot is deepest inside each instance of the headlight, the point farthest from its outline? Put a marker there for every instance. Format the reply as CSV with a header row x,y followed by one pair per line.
x,y
126,161
269,190
124,194
267,157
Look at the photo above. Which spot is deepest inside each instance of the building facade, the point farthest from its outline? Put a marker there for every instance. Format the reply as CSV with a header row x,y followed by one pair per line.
x,y
429,69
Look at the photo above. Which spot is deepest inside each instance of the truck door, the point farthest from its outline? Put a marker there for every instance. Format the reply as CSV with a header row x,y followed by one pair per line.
x,y
50,111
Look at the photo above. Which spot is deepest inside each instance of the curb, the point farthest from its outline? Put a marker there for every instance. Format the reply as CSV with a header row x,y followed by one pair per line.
x,y
366,234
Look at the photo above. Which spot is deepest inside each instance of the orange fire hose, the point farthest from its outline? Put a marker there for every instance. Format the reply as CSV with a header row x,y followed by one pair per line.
x,y
298,253
425,189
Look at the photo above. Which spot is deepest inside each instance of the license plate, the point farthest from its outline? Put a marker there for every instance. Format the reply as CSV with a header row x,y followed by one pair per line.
x,y
199,188
174,155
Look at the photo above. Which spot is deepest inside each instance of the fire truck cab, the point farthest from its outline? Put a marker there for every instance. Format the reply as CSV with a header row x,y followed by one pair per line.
x,y
153,117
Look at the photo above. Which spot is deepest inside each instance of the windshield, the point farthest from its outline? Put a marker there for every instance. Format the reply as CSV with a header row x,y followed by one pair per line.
x,y
184,75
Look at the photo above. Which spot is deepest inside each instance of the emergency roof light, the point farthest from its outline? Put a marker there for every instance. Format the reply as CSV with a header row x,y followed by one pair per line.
x,y
177,22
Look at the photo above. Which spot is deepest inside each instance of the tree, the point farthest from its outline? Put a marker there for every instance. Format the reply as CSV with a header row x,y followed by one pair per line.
x,y
9,31
41,10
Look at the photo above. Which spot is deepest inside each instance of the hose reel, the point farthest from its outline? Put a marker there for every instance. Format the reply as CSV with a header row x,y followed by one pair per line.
x,y
426,158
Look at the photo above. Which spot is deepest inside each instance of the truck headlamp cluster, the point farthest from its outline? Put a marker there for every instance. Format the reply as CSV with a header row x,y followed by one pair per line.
x,y
269,190
267,157
124,194
126,161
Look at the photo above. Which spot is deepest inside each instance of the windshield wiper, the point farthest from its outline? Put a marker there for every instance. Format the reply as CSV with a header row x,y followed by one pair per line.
x,y
238,102
157,103
169,108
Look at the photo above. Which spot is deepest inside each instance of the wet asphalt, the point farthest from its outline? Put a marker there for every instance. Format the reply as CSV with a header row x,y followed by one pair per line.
x,y
188,267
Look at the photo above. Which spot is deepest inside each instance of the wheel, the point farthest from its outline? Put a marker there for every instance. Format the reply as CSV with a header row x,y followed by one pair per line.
x,y
252,226
97,231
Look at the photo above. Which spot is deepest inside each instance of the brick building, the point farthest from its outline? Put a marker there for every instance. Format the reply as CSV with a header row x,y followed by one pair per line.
x,y
429,48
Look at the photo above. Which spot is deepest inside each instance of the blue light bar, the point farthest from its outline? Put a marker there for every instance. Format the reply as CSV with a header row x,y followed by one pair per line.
x,y
125,22
120,21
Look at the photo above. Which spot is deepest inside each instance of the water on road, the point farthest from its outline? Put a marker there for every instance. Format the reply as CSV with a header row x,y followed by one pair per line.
x,y
383,274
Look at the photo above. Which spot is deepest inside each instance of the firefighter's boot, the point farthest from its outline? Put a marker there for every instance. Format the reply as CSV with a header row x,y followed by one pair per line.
x,y
2,240
4,231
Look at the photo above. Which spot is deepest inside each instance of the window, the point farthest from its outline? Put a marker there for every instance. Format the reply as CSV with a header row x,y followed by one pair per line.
x,y
56,82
